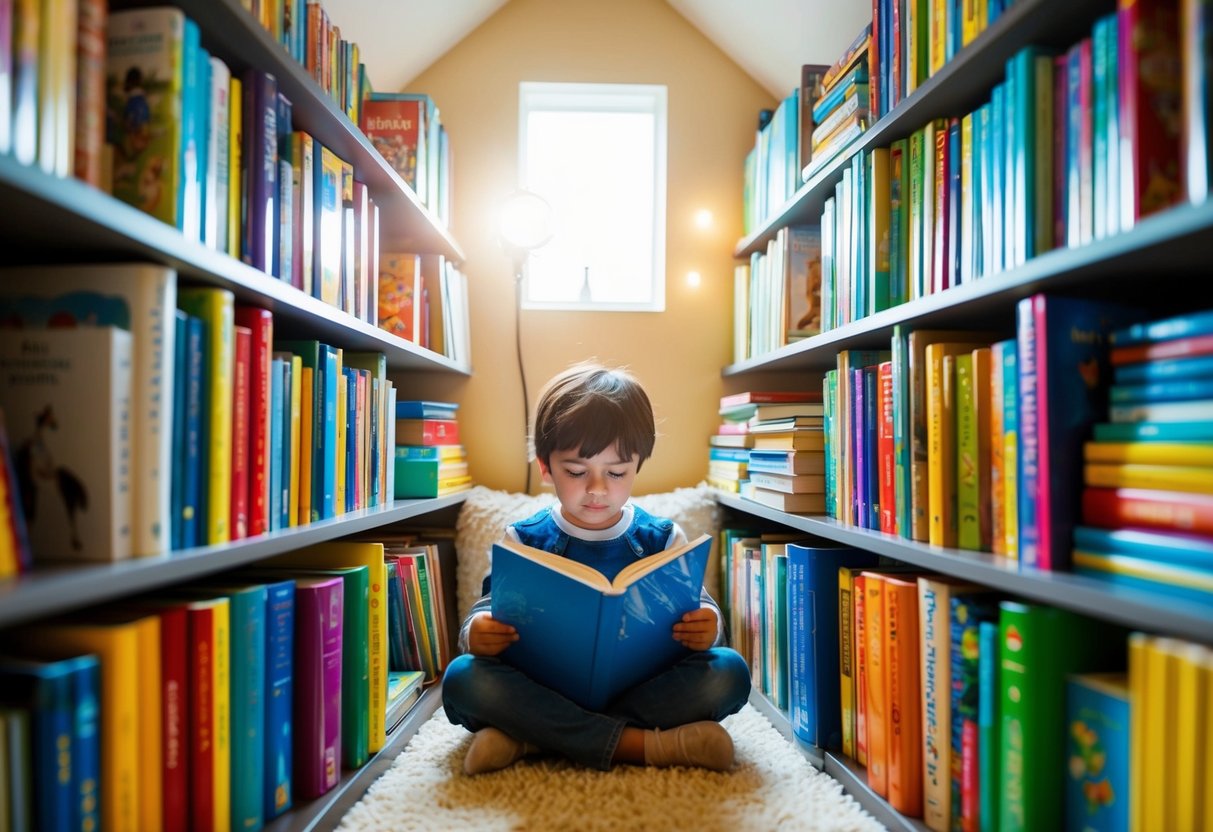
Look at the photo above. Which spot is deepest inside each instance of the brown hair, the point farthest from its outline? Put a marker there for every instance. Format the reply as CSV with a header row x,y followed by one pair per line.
x,y
591,408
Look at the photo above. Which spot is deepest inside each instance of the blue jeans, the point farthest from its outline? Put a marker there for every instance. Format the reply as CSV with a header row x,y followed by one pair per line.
x,y
478,692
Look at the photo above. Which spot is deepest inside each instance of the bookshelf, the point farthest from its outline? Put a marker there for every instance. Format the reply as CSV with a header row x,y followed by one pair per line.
x,y
51,220
1153,264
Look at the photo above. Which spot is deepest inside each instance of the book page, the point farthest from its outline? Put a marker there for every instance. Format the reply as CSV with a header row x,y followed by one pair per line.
x,y
635,571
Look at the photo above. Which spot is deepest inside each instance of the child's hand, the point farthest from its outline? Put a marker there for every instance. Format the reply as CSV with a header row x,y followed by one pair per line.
x,y
697,629
488,637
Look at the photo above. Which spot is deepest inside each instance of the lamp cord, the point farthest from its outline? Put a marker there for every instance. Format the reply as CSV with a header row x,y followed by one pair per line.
x,y
526,398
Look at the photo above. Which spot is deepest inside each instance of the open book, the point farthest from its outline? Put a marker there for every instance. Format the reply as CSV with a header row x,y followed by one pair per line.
x,y
587,637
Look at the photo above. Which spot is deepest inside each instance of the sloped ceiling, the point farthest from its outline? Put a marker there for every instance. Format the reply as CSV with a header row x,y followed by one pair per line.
x,y
769,39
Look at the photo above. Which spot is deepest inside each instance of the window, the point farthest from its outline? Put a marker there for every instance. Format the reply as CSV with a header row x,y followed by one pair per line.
x,y
597,154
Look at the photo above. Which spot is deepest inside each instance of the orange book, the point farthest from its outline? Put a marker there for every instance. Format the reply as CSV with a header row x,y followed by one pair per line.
x,y
902,694
874,658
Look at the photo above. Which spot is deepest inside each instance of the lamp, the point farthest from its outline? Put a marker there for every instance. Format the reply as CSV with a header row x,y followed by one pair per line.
x,y
525,224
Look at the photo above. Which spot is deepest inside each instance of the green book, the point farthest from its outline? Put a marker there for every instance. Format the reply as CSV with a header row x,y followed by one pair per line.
x,y
1038,647
967,496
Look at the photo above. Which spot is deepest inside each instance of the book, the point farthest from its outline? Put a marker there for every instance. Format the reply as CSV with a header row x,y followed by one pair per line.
x,y
66,395
815,709
403,691
395,127
1097,751
588,637
426,431
140,298
1148,508
415,409
317,685
399,307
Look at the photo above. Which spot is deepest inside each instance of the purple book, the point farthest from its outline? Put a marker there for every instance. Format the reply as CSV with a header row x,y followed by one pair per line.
x,y
261,162
317,683
1063,383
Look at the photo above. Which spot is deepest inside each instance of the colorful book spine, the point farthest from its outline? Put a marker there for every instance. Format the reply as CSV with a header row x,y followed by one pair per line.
x,y
260,323
317,687
902,684
260,160
1097,750
238,522
988,725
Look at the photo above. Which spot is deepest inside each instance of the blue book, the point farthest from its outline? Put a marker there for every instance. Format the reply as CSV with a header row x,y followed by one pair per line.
x,y
1063,372
176,498
1192,550
988,753
1097,745
1167,581
192,462
86,739
1165,369
325,479
45,689
351,443
742,455
587,636
968,612
998,180
951,275
814,706
1161,391
1153,431
278,405
279,694
189,196
1167,329
377,392
202,124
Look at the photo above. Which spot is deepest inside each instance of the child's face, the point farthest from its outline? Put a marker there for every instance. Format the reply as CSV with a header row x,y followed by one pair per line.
x,y
591,491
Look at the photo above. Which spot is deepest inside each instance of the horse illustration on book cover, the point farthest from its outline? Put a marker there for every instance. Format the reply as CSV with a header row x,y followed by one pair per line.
x,y
38,471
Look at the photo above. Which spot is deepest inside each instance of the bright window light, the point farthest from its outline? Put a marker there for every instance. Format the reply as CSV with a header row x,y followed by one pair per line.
x,y
597,154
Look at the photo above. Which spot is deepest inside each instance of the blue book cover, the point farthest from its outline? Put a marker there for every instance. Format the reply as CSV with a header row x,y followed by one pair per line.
x,y
189,197
1153,431
814,705
951,275
325,479
1161,391
413,409
86,739
871,419
1164,369
310,353
278,406
1063,381
45,689
589,637
260,160
377,393
988,753
201,104
1191,550
192,461
968,612
998,180
1097,759
176,499
1167,329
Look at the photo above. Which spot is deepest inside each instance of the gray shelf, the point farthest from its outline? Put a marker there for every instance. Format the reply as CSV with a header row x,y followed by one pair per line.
x,y
79,223
962,85
326,811
852,776
231,33
1131,608
52,589
1171,247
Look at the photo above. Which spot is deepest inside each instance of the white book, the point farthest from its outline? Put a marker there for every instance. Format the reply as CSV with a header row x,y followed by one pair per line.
x,y
389,461
141,298
217,175
66,395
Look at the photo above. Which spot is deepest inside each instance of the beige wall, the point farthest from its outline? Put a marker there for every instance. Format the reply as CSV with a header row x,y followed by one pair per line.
x,y
677,354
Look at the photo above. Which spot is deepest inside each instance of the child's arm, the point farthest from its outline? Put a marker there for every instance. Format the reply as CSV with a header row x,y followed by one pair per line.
x,y
698,629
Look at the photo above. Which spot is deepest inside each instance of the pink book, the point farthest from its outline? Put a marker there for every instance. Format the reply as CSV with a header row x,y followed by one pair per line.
x,y
240,432
1086,160
884,446
260,323
317,684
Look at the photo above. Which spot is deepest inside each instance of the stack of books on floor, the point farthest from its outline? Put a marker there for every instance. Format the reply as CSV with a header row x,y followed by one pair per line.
x,y
1147,507
430,461
841,113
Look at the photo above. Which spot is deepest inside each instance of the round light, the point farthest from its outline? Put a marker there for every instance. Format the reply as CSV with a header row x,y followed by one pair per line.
x,y
526,221
694,279
703,218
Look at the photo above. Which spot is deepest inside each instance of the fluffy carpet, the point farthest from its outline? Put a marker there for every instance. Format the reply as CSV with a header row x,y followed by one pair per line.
x,y
770,787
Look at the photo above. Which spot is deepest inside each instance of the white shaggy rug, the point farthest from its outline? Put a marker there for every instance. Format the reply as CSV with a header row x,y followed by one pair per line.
x,y
771,786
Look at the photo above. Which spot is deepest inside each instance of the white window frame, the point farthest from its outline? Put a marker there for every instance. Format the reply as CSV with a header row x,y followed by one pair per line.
x,y
630,98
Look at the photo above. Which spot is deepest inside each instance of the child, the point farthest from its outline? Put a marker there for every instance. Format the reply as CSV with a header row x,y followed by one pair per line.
x,y
593,430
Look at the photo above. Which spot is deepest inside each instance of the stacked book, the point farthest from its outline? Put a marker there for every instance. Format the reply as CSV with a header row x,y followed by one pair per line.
x,y
1147,508
841,113
430,461
785,468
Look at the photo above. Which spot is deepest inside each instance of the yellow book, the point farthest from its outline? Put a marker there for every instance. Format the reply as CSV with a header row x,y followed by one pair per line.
x,y
969,26
1190,724
938,28
1206,781
1139,705
1166,477
846,654
981,406
296,428
941,441
349,553
1158,739
235,146
117,646
151,727
57,88
1150,453
305,449
217,307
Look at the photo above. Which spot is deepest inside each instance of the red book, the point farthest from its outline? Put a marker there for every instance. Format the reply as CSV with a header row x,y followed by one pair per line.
x,y
174,675
427,432
970,778
205,629
260,323
90,90
885,467
240,431
1175,348
1150,108
768,397
317,685
1112,508
394,127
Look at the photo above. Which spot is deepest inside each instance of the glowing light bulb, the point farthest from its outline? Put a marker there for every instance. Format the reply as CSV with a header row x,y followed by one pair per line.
x,y
703,218
694,279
